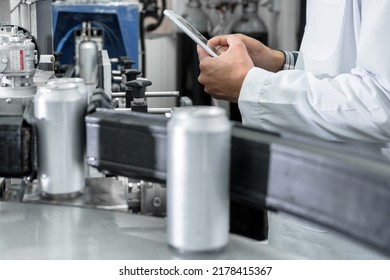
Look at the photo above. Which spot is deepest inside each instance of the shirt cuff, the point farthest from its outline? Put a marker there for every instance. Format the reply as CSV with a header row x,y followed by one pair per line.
x,y
290,59
250,94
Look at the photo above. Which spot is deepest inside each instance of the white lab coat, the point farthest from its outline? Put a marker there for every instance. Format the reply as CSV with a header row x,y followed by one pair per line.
x,y
339,90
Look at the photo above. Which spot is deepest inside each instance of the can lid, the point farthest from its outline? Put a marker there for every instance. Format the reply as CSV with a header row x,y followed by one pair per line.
x,y
78,81
198,112
57,92
65,81
57,87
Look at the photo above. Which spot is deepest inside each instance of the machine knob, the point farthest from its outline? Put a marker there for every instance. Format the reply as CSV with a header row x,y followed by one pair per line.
x,y
138,87
131,74
126,62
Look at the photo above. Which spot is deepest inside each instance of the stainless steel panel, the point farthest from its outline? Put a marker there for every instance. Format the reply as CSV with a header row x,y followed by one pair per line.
x,y
30,231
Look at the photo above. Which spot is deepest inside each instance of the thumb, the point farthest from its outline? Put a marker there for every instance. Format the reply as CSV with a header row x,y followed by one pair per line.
x,y
235,43
201,52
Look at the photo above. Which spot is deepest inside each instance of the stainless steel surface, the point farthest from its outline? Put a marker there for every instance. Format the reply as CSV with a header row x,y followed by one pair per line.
x,y
25,14
159,110
99,193
47,58
44,232
106,193
104,72
59,112
18,92
5,9
41,77
198,159
44,26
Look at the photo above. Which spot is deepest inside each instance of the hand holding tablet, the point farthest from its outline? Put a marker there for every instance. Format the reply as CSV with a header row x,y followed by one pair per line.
x,y
192,32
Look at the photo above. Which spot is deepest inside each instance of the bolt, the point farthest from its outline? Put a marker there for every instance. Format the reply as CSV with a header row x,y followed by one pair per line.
x,y
8,100
157,201
5,60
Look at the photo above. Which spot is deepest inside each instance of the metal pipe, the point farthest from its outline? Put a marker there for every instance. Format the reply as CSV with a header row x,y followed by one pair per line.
x,y
117,78
25,15
150,94
150,110
116,72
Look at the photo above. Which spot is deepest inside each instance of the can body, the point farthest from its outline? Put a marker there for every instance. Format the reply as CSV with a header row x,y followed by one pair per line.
x,y
198,179
88,57
59,113
78,81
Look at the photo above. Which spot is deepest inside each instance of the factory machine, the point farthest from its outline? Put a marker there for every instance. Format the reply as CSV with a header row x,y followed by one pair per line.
x,y
83,156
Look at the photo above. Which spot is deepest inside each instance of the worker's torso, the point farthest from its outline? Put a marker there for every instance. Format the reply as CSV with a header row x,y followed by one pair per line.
x,y
331,34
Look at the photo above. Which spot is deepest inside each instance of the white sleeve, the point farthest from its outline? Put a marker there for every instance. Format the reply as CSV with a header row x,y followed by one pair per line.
x,y
354,105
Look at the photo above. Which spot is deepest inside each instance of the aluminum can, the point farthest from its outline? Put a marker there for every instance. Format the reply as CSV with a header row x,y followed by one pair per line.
x,y
88,65
88,58
59,113
198,165
78,81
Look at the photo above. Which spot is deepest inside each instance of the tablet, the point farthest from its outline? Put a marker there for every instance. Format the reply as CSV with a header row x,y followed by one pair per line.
x,y
192,32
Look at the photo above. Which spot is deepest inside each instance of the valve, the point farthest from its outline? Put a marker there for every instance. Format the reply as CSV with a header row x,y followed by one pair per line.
x,y
138,88
129,75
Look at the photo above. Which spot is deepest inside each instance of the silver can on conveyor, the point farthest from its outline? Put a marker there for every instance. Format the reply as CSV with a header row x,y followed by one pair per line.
x,y
59,111
78,81
198,167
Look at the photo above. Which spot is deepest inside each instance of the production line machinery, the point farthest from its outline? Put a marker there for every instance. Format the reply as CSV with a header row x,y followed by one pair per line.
x,y
326,183
331,184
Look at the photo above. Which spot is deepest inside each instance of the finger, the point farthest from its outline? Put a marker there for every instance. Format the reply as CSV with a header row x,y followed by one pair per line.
x,y
201,53
235,43
220,40
221,49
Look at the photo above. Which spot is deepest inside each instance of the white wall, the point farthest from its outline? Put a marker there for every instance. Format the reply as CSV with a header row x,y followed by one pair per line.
x,y
161,68
282,26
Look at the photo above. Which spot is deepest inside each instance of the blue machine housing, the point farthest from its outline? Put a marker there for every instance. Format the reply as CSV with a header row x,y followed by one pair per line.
x,y
119,21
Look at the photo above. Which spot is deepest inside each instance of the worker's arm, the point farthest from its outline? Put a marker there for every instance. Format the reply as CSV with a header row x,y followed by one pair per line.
x,y
352,105
262,56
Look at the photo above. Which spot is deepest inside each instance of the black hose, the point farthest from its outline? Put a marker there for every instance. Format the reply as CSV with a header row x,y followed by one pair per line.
x,y
154,26
142,42
150,27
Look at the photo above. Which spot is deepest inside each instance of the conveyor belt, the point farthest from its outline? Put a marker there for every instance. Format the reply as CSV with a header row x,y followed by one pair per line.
x,y
17,140
326,183
330,184
15,146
